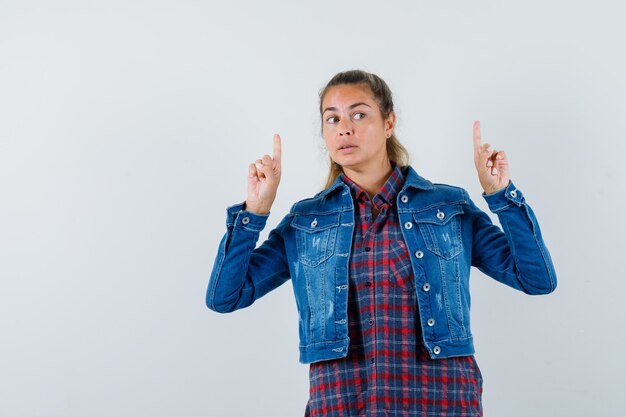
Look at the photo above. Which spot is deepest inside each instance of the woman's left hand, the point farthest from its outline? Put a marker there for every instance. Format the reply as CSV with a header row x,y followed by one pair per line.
x,y
492,165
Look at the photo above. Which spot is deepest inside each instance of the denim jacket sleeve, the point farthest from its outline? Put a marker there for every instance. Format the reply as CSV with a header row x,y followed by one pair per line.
x,y
517,257
242,273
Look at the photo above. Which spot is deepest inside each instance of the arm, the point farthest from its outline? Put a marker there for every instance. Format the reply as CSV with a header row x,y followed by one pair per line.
x,y
517,257
241,274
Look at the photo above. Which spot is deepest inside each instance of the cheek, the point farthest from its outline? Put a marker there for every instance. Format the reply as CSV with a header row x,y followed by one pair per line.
x,y
326,134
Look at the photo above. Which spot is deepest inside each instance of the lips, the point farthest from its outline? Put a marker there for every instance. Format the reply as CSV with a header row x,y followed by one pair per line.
x,y
346,146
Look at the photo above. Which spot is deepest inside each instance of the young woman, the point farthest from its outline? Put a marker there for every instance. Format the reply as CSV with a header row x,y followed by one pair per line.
x,y
380,263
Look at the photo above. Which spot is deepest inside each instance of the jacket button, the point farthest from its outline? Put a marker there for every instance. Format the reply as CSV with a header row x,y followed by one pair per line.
x,y
419,254
404,198
245,220
314,223
408,225
431,322
436,350
426,287
513,193
440,215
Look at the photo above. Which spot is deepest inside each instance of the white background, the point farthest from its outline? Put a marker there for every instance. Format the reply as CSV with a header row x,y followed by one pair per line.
x,y
126,129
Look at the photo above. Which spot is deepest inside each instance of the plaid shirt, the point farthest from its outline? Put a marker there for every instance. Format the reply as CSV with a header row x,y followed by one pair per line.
x,y
388,371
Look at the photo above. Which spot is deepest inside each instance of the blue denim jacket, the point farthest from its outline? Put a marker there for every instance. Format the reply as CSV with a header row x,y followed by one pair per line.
x,y
444,231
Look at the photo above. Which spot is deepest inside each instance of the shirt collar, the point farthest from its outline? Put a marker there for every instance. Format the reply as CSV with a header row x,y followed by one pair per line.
x,y
413,180
388,192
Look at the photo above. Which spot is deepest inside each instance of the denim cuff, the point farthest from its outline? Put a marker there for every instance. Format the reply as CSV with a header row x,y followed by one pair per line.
x,y
236,216
504,198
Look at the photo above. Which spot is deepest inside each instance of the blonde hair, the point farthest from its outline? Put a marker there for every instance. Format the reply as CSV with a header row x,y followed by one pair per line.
x,y
382,95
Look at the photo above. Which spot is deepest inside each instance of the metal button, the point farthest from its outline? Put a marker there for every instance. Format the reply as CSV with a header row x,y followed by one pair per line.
x,y
245,220
408,225
419,254
314,223
404,198
440,215
436,350
513,193
431,322
426,287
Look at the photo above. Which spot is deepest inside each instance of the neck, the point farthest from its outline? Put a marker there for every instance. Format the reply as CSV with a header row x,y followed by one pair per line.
x,y
371,179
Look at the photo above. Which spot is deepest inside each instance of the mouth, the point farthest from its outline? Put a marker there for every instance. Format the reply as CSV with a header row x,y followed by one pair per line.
x,y
347,146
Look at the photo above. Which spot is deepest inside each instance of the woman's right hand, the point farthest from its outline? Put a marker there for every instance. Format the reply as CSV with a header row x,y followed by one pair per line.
x,y
263,180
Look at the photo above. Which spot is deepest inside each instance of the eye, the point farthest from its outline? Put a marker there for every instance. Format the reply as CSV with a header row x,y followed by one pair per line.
x,y
331,119
358,116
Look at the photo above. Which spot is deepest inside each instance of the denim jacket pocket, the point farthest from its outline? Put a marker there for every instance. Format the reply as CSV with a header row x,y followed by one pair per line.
x,y
315,236
441,229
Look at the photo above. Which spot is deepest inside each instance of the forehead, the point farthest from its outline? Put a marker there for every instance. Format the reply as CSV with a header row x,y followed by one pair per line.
x,y
347,94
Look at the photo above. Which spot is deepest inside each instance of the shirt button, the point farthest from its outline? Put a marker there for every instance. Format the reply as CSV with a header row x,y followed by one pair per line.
x,y
367,249
245,220
419,254
426,287
368,284
436,350
513,193
431,322
371,322
372,360
441,215
404,198
408,225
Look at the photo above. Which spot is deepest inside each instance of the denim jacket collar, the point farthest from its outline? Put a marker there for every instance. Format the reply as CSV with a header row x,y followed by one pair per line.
x,y
413,179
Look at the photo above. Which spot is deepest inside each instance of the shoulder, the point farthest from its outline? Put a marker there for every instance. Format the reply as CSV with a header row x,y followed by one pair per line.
x,y
433,192
455,190
325,201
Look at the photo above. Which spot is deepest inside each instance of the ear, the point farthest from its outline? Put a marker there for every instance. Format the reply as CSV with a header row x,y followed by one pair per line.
x,y
390,123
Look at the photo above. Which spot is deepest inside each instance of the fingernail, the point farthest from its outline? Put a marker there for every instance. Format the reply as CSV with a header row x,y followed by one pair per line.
x,y
494,171
489,163
258,166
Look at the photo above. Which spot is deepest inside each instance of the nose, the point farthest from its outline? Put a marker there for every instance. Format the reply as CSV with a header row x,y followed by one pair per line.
x,y
344,128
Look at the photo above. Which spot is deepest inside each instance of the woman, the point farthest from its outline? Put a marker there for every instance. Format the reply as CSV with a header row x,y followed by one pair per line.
x,y
380,262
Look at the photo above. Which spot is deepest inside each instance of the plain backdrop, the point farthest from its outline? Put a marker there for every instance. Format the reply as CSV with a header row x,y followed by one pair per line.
x,y
126,129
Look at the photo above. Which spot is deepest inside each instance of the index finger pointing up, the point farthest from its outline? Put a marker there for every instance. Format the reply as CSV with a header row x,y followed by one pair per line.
x,y
277,148
477,138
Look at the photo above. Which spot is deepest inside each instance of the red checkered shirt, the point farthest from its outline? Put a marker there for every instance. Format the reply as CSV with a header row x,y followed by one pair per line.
x,y
387,371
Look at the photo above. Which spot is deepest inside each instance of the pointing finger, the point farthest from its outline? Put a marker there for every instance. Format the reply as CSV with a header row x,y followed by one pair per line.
x,y
277,148
477,138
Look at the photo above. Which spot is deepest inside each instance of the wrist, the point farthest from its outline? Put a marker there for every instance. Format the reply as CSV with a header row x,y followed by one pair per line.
x,y
256,208
494,190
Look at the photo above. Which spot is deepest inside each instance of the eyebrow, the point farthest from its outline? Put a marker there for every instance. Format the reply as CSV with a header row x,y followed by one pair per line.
x,y
350,107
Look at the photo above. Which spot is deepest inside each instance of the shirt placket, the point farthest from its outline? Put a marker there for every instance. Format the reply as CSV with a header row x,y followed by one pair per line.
x,y
371,233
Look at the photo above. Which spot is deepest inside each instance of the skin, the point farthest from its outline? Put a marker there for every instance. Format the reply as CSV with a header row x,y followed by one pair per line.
x,y
492,166
355,134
